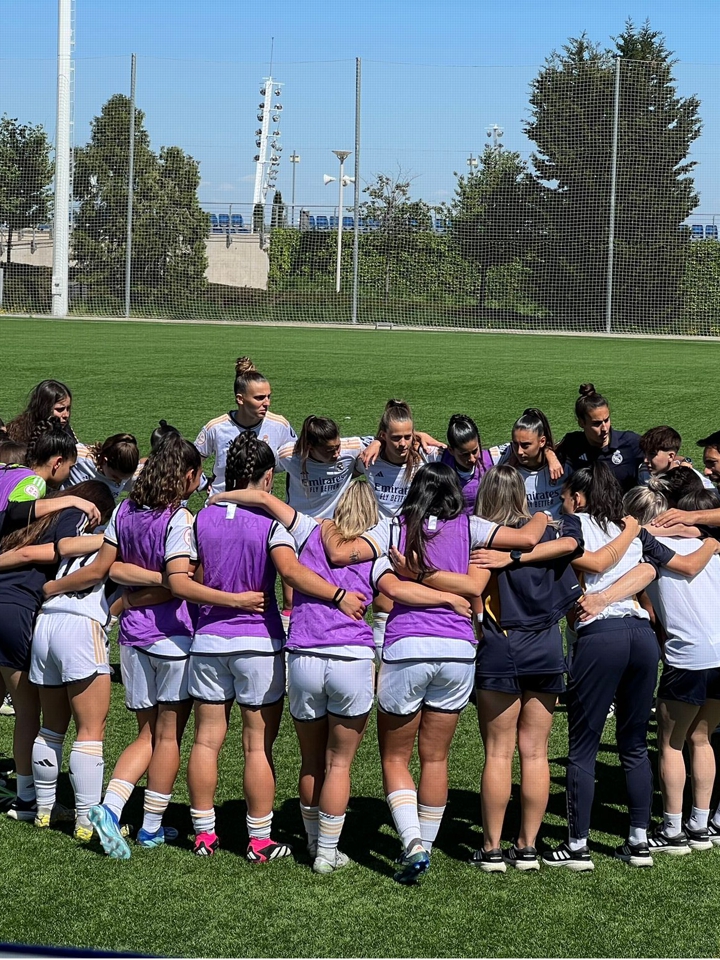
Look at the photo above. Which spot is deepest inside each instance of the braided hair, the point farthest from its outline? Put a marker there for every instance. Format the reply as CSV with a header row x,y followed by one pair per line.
x,y
248,460
48,439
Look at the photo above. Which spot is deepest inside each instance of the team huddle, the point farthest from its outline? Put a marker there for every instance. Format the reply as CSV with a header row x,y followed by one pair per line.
x,y
465,559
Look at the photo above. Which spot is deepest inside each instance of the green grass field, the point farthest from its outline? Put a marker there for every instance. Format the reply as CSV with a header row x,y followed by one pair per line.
x,y
127,376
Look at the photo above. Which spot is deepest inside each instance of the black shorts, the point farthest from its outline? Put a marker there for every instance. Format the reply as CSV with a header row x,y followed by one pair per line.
x,y
527,683
689,686
16,630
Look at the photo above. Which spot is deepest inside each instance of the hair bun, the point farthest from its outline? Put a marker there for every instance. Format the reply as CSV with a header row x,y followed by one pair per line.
x,y
244,365
163,423
587,389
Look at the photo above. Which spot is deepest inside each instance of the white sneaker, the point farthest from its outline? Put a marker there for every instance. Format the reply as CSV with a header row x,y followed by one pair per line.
x,y
324,866
7,709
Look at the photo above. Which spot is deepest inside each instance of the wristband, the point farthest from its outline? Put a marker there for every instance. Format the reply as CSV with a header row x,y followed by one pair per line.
x,y
339,597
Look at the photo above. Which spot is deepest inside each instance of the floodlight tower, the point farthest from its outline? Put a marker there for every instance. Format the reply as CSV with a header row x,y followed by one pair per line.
x,y
267,160
495,132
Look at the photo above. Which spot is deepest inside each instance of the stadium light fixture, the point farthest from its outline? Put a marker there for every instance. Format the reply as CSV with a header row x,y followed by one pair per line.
x,y
342,156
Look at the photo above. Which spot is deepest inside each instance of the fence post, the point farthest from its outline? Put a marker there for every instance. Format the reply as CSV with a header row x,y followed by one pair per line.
x,y
613,192
131,188
356,193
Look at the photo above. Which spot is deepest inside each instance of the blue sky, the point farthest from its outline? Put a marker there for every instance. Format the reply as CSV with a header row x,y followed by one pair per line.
x,y
435,76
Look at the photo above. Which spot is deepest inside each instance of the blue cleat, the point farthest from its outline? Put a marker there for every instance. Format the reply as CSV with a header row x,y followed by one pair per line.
x,y
156,839
108,830
413,864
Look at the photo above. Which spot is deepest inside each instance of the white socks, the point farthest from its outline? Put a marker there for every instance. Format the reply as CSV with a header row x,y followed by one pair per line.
x,y
698,819
258,828
330,828
310,822
576,843
404,810
637,835
117,795
86,775
46,762
154,808
672,824
430,819
203,821
379,624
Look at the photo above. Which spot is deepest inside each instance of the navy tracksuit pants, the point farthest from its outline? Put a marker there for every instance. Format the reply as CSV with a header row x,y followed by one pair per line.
x,y
613,659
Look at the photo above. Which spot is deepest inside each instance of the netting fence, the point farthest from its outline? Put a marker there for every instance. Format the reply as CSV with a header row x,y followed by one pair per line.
x,y
595,207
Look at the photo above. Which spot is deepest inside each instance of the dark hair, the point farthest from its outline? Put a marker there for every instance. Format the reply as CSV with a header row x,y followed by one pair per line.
x,y
676,483
246,373
12,452
698,500
3,428
314,432
534,420
95,491
461,430
161,482
40,405
398,411
48,440
660,438
712,441
248,459
588,401
434,491
602,491
160,432
120,452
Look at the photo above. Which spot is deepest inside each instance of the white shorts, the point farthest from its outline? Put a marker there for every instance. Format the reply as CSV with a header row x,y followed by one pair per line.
x,y
253,679
320,685
150,680
66,648
407,685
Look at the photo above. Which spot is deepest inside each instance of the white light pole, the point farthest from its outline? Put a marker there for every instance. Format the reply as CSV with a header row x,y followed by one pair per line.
x,y
342,156
472,162
495,132
61,225
294,159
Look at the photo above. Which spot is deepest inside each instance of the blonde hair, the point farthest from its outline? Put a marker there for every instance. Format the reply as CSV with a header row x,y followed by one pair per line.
x,y
357,511
502,497
645,504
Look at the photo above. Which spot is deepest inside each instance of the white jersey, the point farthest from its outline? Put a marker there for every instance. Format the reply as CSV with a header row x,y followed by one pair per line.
x,y
391,481
315,488
688,610
85,468
595,538
92,603
543,493
216,436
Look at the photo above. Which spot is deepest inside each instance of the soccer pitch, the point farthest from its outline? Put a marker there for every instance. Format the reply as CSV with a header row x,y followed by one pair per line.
x,y
126,376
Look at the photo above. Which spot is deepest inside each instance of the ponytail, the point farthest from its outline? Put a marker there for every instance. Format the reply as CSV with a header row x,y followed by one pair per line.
x,y
160,432
161,482
246,373
248,459
315,431
48,440
588,401
120,452
602,491
534,420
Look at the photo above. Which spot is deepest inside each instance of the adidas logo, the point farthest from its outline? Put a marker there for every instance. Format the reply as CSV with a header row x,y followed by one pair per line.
x,y
43,763
379,473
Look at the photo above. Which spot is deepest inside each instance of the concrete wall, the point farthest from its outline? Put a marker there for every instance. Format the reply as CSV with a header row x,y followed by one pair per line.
x,y
243,264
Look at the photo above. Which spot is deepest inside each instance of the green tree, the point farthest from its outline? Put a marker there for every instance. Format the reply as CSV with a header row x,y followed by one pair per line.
x,y
26,172
571,124
394,221
494,214
277,214
169,228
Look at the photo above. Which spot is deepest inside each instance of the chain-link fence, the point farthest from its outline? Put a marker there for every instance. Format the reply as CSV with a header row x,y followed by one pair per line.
x,y
596,206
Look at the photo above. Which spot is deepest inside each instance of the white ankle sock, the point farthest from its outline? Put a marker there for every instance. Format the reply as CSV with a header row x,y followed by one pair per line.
x,y
637,835
259,828
46,761
404,810
698,819
576,844
430,819
672,824
310,822
25,787
86,775
203,821
329,830
117,795
154,809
